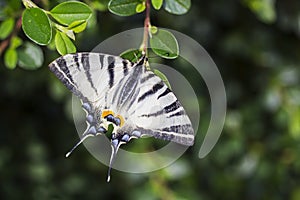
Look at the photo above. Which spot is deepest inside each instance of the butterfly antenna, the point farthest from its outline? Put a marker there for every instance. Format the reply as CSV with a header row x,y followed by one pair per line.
x,y
78,143
115,147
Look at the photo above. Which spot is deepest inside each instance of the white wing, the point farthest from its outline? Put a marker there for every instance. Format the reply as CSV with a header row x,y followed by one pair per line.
x,y
90,75
155,111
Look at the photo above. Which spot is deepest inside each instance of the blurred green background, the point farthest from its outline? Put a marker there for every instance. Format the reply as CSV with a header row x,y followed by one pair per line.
x,y
256,46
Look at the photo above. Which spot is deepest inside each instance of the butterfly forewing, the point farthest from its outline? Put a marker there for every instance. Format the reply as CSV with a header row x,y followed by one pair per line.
x,y
90,75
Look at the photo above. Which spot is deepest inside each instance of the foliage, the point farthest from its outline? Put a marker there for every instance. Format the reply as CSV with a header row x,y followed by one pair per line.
x,y
164,44
64,20
264,9
58,26
256,47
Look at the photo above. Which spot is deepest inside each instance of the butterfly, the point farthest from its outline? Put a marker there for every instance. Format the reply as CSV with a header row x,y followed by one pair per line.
x,y
125,95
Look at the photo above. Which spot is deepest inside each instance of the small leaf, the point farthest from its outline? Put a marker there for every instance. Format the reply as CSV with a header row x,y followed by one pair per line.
x,y
157,4
153,29
78,26
66,31
164,44
68,12
51,45
140,7
264,9
132,54
177,7
11,58
36,26
31,56
70,34
6,28
14,4
124,7
100,5
15,42
63,44
163,77
110,129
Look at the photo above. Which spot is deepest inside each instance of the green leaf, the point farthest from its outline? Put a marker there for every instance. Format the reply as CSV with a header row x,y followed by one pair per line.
x,y
36,25
157,4
11,58
100,5
31,56
163,77
14,4
177,7
110,129
140,7
6,28
66,31
153,29
132,54
294,125
263,9
78,26
164,44
51,45
124,7
15,42
63,44
68,12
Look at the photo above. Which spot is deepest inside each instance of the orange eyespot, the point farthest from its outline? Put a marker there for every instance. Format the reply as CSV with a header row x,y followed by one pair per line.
x,y
106,113
121,119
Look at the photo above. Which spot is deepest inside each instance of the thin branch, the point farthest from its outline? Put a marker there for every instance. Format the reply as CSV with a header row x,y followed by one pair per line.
x,y
146,27
6,42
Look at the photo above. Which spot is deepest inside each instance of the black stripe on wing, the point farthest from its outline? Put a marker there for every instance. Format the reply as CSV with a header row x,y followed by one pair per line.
x,y
153,114
152,91
172,107
167,91
177,128
185,136
60,70
85,61
125,67
129,87
76,60
146,78
179,113
101,58
62,63
110,69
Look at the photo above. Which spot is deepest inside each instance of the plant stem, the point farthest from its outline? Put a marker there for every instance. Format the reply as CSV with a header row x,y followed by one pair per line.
x,y
29,4
146,27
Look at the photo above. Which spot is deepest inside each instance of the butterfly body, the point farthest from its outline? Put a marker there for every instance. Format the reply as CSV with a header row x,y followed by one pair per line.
x,y
114,91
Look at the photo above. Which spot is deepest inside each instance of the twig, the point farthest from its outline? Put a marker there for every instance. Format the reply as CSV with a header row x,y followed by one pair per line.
x,y
5,43
146,27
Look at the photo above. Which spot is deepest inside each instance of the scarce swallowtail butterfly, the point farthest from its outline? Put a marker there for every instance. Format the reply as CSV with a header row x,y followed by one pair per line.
x,y
114,91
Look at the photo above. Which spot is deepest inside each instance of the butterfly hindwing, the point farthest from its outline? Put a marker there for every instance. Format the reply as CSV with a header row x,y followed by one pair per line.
x,y
157,112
